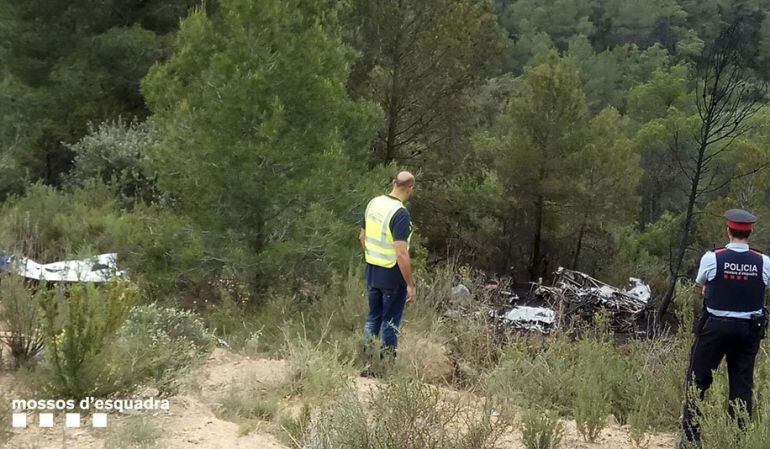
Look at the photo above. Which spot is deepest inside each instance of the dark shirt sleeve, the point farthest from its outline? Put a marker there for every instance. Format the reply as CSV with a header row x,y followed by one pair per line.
x,y
401,225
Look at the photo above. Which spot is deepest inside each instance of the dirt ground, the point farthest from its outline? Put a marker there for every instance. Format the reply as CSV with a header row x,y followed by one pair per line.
x,y
191,421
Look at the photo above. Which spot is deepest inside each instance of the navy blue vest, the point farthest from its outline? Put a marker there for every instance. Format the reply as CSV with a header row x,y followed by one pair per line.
x,y
739,284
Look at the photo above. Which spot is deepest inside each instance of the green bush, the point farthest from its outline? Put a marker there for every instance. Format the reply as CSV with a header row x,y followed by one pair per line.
x,y
162,250
640,419
591,408
591,377
536,371
60,225
720,430
20,317
541,429
160,322
406,414
78,327
158,343
115,153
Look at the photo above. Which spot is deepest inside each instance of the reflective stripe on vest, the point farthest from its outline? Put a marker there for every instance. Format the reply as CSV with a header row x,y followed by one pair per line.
x,y
380,247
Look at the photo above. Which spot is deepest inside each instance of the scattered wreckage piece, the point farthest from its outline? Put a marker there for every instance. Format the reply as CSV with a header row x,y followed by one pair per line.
x,y
100,268
540,319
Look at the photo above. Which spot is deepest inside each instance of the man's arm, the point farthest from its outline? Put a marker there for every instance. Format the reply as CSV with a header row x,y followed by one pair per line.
x,y
405,266
766,270
707,269
401,227
362,238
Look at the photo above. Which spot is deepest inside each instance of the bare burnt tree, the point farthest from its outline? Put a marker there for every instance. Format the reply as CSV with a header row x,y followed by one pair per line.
x,y
726,97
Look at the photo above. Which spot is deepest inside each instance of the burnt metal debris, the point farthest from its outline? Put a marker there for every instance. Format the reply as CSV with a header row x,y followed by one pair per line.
x,y
572,299
577,296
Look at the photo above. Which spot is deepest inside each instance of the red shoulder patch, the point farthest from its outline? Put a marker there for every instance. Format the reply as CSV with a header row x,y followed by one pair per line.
x,y
719,250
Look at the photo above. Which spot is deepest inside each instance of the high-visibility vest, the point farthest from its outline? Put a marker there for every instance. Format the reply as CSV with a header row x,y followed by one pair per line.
x,y
380,247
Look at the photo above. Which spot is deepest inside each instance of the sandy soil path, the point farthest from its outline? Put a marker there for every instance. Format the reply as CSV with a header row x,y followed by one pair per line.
x,y
192,423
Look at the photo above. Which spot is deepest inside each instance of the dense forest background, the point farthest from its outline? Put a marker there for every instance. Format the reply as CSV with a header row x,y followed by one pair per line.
x,y
233,144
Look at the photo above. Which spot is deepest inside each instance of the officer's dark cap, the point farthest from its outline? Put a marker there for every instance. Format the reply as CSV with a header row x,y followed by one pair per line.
x,y
740,220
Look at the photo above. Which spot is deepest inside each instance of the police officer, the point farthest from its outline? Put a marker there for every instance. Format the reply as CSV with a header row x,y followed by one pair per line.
x,y
733,322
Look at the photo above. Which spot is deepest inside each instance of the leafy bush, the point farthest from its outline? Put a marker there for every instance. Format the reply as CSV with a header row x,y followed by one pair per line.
x,y
158,343
541,429
78,327
160,322
114,153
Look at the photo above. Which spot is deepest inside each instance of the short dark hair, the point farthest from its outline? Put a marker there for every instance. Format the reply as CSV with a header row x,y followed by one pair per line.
x,y
742,235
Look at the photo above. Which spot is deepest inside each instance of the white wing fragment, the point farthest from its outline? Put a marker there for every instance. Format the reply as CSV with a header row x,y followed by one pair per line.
x,y
100,268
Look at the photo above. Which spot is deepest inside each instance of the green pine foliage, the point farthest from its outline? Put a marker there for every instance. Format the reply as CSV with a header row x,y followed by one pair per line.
x,y
260,143
78,327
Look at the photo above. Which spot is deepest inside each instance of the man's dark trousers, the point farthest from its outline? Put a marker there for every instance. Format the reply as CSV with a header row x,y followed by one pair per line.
x,y
715,339
386,306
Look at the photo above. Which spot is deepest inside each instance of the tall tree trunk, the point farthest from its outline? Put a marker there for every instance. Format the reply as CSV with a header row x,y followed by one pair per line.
x,y
676,267
393,107
579,247
534,267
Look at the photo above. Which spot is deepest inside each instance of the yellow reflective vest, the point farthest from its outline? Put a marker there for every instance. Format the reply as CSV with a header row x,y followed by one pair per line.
x,y
380,247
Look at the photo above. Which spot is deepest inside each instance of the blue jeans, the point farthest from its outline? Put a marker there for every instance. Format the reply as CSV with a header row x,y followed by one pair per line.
x,y
385,309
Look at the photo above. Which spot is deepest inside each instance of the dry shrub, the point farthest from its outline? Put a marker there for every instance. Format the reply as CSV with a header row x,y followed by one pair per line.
x,y
407,414
427,358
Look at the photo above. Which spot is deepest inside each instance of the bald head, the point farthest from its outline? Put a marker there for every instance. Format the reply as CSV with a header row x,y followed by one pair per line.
x,y
403,179
403,185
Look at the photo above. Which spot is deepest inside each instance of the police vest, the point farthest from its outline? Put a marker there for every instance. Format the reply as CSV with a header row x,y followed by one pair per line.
x,y
739,284
380,247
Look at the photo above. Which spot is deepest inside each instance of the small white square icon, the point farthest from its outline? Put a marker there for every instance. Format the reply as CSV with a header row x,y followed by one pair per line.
x,y
19,420
99,420
72,420
45,419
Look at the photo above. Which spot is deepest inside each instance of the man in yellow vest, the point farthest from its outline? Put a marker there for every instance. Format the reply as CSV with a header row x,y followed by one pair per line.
x,y
385,235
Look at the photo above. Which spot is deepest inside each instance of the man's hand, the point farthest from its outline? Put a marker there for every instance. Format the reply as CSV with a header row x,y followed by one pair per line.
x,y
410,294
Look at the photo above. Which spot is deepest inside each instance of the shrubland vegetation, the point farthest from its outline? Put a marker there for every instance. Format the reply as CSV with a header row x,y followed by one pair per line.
x,y
225,150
